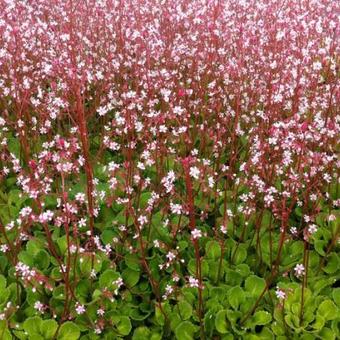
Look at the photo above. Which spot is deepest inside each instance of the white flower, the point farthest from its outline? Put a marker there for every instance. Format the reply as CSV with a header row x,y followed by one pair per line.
x,y
170,256
100,312
97,330
46,216
4,248
313,197
80,309
168,290
119,282
299,270
175,208
194,283
142,220
196,233
331,218
175,278
194,172
293,230
223,229
39,306
280,294
80,197
168,181
211,182
312,228
73,249
317,66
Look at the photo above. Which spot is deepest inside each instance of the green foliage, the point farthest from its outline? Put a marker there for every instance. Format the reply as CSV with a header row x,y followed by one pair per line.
x,y
36,328
138,286
68,331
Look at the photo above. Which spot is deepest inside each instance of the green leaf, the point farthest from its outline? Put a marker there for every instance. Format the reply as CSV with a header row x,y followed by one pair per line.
x,y
233,316
59,292
4,332
255,285
130,277
327,334
243,269
233,278
160,319
106,278
68,331
260,318
33,247
319,246
26,258
236,297
3,262
336,296
192,267
42,259
124,325
62,244
185,331
185,310
333,264
32,325
48,328
144,197
240,254
83,288
86,264
328,310
132,261
13,145
4,292
209,323
319,322
213,250
141,333
221,323
107,236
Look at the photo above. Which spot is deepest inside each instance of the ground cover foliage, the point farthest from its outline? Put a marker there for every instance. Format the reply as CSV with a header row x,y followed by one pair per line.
x,y
169,169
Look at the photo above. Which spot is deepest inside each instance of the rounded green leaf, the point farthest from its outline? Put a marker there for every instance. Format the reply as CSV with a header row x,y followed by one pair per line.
x,y
130,277
236,297
328,310
213,250
185,309
221,323
4,332
68,331
255,285
132,261
89,262
48,328
159,316
32,325
261,318
185,331
240,254
141,333
42,259
336,296
106,278
124,325
333,264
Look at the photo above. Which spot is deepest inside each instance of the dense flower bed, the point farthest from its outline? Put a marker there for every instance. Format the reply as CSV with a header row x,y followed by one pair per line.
x,y
169,169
